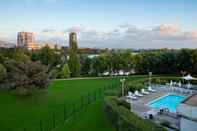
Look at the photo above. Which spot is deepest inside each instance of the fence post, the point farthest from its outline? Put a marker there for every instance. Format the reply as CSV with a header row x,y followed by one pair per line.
x,y
65,113
53,119
82,102
86,102
41,129
95,93
73,112
88,99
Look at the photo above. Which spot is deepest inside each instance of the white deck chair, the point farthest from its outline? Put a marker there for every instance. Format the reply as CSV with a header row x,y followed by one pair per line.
x,y
144,92
150,89
175,89
138,94
131,96
185,91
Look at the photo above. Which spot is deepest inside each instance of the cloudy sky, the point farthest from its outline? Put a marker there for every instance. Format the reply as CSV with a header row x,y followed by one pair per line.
x,y
103,23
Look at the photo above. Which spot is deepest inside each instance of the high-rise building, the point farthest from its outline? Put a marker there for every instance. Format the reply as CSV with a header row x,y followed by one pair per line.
x,y
26,40
73,40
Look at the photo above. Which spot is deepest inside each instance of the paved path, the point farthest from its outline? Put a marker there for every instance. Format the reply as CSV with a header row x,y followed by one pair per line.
x,y
85,78
107,77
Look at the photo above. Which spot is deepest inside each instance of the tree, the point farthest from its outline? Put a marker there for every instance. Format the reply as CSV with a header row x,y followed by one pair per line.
x,y
65,71
85,65
3,73
46,55
26,76
74,64
19,55
184,60
194,61
98,65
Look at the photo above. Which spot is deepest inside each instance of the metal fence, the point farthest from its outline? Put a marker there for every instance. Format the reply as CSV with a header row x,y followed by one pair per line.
x,y
62,115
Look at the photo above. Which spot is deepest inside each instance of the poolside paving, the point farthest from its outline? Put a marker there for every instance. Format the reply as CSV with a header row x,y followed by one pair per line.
x,y
140,106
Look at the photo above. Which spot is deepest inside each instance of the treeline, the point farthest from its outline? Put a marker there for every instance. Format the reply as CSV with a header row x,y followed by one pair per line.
x,y
163,61
57,61
25,70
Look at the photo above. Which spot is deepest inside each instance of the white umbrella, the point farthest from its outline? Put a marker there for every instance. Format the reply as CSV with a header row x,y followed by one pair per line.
x,y
188,77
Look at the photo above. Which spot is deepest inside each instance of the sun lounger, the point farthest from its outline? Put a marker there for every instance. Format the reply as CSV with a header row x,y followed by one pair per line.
x,y
183,90
131,96
176,89
144,92
138,94
150,89
172,89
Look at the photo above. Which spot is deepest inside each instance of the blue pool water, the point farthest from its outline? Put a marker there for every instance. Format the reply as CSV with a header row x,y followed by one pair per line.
x,y
171,102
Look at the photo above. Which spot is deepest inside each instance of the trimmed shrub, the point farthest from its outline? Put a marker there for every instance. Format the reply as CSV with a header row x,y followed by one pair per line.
x,y
124,120
122,102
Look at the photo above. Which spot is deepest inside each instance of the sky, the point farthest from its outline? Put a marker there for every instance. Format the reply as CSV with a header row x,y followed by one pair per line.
x,y
103,23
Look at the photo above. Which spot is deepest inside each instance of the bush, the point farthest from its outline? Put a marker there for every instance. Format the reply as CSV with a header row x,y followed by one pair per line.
x,y
3,73
54,73
165,123
163,80
124,120
26,76
132,86
122,102
112,93
111,109
65,71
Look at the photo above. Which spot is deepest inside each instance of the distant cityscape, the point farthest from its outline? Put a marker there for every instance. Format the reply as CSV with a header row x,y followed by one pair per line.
x,y
27,40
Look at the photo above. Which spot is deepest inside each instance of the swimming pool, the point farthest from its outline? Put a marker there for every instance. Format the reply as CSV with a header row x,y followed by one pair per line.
x,y
170,101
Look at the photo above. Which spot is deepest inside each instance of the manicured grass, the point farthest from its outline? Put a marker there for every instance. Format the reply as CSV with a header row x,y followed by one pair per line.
x,y
94,119
17,112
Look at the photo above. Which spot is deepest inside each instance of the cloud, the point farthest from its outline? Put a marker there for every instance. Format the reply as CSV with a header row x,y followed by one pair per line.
x,y
191,35
167,29
48,30
76,29
127,36
46,1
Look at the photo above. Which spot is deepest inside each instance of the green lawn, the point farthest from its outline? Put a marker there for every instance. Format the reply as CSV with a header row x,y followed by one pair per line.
x,y
17,112
94,119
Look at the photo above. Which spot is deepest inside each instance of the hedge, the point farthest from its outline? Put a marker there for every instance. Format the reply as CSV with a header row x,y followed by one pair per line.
x,y
124,120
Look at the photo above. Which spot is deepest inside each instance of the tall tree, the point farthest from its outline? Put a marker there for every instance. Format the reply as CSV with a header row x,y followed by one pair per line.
x,y
74,62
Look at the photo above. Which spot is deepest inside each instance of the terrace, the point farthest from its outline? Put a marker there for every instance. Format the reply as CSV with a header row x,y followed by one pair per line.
x,y
141,106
